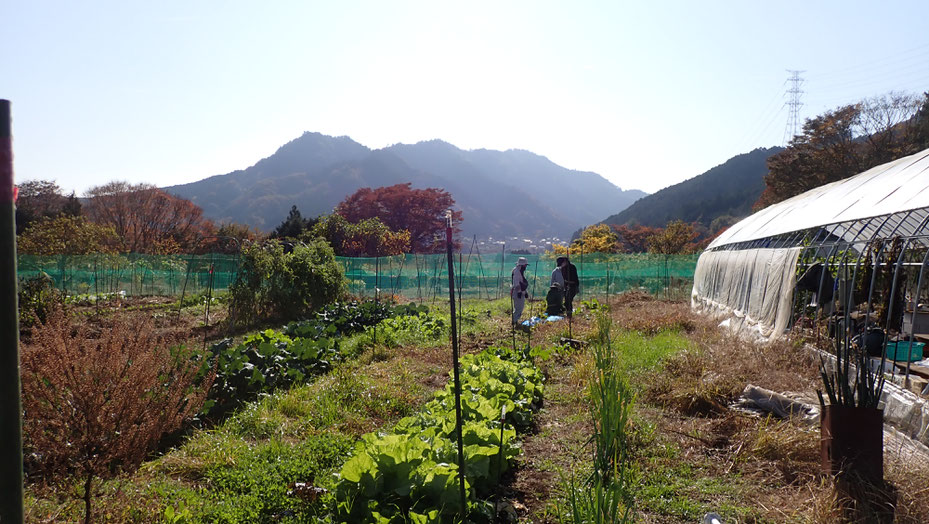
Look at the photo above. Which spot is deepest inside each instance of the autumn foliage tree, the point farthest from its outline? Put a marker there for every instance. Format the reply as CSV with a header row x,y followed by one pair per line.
x,y
400,207
634,239
66,235
674,239
147,219
597,238
230,238
368,238
40,199
846,141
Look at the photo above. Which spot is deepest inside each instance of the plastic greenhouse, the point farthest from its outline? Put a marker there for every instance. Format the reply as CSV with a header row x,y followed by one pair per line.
x,y
848,259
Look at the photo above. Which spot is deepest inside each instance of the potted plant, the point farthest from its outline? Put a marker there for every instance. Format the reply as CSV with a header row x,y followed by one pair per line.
x,y
852,422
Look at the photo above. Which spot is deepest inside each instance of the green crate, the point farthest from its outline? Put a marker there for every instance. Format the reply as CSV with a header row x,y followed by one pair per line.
x,y
900,350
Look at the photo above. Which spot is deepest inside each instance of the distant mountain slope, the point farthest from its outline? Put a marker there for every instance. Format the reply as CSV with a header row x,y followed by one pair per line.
x,y
727,189
500,193
525,183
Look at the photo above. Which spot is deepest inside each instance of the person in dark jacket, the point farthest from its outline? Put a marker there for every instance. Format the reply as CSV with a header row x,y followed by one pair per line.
x,y
555,297
572,284
518,288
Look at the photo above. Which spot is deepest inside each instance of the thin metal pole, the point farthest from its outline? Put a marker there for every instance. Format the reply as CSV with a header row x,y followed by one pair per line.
x,y
500,454
535,276
184,290
512,313
419,283
435,278
919,284
464,271
11,423
461,274
578,284
482,281
398,287
96,289
500,275
209,298
454,334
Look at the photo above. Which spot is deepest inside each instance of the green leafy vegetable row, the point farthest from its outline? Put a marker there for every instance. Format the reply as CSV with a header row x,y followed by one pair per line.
x,y
410,475
272,359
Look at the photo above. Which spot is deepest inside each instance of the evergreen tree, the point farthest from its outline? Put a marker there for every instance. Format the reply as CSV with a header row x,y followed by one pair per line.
x,y
293,225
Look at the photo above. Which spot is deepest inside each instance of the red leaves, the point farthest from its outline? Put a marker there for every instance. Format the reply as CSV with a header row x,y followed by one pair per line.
x,y
400,207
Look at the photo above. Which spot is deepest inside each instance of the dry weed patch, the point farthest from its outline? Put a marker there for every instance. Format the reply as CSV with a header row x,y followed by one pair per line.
x,y
98,401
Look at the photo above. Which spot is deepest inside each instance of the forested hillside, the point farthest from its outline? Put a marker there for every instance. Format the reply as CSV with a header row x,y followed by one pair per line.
x,y
725,192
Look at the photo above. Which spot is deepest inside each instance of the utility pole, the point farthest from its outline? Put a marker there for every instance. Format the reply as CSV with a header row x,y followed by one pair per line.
x,y
11,423
794,104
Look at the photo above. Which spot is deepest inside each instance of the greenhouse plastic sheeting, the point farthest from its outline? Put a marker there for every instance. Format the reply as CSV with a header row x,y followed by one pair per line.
x,y
752,288
889,188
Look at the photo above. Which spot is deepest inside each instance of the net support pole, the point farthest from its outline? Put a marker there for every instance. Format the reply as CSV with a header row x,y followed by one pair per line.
x,y
454,335
502,262
11,423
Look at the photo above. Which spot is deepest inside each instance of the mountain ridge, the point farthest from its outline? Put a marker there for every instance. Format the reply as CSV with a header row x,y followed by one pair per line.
x,y
501,193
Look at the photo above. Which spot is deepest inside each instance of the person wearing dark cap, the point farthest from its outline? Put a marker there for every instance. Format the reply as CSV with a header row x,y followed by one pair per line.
x,y
518,288
572,284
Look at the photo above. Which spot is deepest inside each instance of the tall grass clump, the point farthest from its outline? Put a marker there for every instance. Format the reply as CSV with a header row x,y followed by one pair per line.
x,y
606,494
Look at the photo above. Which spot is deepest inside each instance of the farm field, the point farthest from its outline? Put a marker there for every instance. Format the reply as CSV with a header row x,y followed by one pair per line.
x,y
274,454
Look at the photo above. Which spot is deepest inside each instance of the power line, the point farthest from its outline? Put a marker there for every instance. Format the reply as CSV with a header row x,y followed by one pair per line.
x,y
772,112
922,53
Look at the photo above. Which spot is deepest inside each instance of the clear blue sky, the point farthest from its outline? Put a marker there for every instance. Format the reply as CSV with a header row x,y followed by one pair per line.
x,y
645,93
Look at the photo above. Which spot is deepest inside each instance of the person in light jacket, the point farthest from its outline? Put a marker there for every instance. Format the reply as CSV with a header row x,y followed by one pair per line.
x,y
518,288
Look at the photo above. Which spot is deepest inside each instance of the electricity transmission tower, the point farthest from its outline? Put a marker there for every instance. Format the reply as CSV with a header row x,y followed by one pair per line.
x,y
794,104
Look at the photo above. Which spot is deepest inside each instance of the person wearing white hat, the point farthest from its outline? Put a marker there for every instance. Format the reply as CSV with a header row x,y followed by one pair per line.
x,y
518,288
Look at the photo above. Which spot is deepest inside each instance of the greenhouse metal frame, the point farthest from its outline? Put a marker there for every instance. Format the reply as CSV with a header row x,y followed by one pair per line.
x,y
865,242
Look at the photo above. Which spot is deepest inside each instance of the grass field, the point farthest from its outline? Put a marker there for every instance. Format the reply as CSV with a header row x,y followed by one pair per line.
x,y
688,453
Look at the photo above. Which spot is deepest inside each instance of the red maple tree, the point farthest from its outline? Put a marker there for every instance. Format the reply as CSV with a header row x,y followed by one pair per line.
x,y
400,207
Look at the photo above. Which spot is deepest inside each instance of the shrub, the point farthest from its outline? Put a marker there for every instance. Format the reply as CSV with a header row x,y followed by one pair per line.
x,y
97,403
37,298
276,285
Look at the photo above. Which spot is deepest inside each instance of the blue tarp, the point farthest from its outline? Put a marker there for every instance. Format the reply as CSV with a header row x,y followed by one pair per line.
x,y
538,320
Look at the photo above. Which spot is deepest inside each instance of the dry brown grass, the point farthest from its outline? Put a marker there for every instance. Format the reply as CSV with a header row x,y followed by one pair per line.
x,y
780,459
637,311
